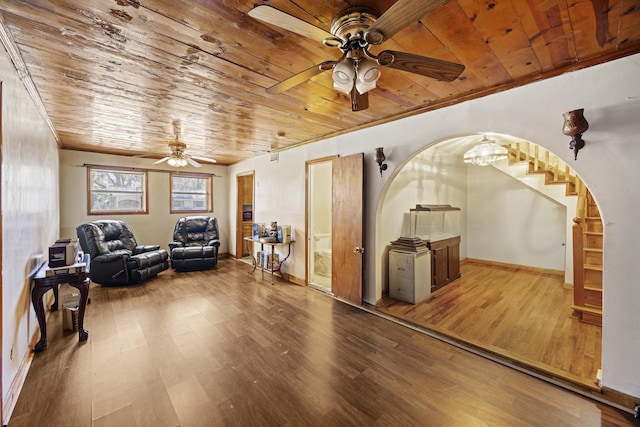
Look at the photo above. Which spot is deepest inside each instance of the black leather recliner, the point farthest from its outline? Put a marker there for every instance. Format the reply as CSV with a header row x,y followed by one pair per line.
x,y
116,257
196,243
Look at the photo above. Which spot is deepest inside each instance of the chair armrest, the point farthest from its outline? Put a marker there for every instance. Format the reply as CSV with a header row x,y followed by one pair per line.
x,y
140,249
173,245
214,242
110,257
110,269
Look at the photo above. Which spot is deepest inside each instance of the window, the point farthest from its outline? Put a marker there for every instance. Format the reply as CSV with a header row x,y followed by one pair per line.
x,y
112,190
191,193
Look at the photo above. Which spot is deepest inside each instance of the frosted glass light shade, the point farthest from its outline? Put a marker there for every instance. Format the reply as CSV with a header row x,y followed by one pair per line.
x,y
177,162
368,75
485,153
343,75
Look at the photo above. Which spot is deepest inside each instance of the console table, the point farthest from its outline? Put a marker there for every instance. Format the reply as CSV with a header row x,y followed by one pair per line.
x,y
273,268
42,284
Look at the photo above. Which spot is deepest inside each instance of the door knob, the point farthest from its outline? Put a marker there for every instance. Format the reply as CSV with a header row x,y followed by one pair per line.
x,y
358,249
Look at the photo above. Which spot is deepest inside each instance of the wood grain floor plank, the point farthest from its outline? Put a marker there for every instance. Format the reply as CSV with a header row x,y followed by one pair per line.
x,y
518,313
222,348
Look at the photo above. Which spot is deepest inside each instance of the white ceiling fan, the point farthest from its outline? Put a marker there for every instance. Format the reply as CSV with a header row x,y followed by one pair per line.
x,y
179,159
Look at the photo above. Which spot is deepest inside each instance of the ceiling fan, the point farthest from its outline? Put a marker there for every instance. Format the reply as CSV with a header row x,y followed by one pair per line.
x,y
353,31
178,158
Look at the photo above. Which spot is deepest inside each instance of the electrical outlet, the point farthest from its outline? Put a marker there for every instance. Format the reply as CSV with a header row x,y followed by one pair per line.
x,y
11,354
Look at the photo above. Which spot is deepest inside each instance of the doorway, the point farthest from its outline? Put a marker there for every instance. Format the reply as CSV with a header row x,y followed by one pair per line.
x,y
516,238
319,193
244,215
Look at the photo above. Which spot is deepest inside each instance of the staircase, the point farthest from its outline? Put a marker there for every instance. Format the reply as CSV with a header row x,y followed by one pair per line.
x,y
587,229
587,260
541,161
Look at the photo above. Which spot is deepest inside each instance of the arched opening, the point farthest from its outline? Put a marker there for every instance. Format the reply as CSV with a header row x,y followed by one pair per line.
x,y
515,296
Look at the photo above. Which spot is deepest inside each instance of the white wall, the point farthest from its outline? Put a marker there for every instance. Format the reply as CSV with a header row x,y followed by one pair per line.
x,y
507,222
30,217
153,228
434,176
610,95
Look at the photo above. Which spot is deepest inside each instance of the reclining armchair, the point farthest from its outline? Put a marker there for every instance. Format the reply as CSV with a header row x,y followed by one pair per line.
x,y
116,257
196,243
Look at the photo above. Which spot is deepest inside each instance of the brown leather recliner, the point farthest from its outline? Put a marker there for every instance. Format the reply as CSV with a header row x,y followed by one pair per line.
x,y
196,243
116,257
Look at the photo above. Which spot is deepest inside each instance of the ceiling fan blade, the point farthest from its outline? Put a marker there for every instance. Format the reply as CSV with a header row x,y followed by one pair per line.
x,y
359,101
204,159
164,159
192,162
398,16
281,19
301,77
430,67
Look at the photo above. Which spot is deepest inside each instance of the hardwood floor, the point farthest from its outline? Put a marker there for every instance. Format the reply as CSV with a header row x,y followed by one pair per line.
x,y
522,315
224,348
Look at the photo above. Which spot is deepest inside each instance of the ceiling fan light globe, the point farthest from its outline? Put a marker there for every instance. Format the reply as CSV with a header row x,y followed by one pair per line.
x,y
346,89
177,162
341,78
362,88
368,72
343,73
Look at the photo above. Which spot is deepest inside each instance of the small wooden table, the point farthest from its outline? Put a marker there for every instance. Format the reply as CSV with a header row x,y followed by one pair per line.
x,y
42,284
273,245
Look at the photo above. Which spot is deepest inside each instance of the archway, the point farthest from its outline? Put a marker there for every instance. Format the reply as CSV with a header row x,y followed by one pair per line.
x,y
509,231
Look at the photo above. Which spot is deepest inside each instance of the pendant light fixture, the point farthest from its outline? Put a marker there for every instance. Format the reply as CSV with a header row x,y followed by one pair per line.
x,y
362,72
485,153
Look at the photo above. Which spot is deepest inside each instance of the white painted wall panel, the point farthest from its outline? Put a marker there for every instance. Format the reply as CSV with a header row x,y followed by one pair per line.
x,y
30,215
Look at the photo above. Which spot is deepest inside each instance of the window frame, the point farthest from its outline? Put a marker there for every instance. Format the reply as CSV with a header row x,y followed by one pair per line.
x,y
114,169
209,194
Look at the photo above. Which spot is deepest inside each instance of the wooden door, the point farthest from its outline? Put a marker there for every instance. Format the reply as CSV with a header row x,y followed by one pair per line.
x,y
347,226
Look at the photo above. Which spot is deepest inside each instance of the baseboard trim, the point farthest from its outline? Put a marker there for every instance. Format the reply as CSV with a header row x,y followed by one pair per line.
x,y
9,404
296,280
16,385
559,273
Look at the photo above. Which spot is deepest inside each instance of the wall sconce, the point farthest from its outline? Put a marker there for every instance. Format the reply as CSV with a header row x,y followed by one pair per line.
x,y
574,126
380,158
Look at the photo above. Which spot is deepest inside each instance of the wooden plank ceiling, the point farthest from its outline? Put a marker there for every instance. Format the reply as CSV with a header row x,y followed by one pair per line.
x,y
118,76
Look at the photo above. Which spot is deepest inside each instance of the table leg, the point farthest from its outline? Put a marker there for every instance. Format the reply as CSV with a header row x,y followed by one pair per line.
x,y
54,306
253,257
273,257
262,265
83,287
36,299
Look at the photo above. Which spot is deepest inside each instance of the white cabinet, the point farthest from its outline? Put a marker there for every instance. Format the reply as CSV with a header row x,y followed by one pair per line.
x,y
409,275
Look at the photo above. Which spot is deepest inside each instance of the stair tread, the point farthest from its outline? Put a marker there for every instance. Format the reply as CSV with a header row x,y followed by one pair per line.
x,y
593,288
589,309
593,267
594,233
593,249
